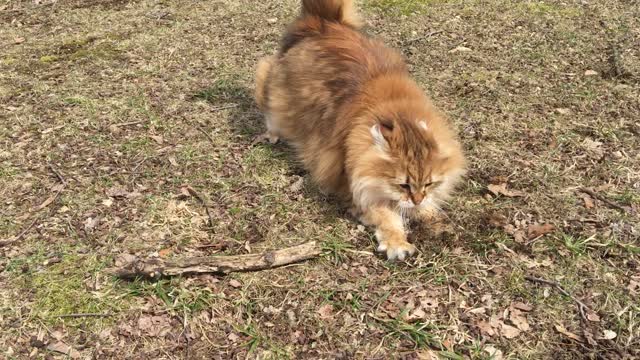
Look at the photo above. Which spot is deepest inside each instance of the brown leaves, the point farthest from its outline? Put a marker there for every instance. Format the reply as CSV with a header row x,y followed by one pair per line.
x,y
325,311
562,330
537,230
154,325
63,348
510,324
501,189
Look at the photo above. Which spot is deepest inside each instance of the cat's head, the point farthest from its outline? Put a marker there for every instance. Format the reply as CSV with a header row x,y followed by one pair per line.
x,y
419,159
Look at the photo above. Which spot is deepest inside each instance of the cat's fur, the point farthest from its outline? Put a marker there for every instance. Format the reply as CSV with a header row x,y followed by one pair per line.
x,y
359,124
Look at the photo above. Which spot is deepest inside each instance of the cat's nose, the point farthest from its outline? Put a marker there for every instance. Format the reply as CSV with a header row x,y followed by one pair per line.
x,y
417,198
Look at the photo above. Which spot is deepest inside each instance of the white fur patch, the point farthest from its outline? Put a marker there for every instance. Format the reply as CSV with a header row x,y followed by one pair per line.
x,y
369,190
423,124
378,138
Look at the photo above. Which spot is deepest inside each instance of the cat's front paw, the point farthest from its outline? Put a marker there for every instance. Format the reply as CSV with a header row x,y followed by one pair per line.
x,y
395,247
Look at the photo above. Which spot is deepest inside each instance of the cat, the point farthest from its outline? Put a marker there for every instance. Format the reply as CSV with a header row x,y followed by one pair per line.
x,y
359,124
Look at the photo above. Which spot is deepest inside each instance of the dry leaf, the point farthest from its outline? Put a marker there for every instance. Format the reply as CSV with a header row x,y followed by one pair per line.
x,y
634,286
501,189
609,335
562,330
592,316
563,111
233,337
497,220
235,283
157,138
163,253
590,73
173,161
56,189
521,306
296,186
427,355
593,148
519,319
325,311
588,201
156,326
91,223
534,231
509,331
18,40
495,354
117,192
485,328
63,348
460,49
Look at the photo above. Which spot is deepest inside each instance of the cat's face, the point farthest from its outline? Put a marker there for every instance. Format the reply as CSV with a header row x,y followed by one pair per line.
x,y
417,170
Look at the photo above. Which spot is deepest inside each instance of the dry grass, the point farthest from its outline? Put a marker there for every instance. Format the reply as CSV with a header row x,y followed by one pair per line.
x,y
148,96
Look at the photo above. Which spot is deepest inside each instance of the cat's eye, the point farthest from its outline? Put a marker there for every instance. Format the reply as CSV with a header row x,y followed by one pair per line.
x,y
406,187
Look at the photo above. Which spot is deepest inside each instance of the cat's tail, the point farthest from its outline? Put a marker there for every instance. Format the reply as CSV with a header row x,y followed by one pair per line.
x,y
340,11
262,74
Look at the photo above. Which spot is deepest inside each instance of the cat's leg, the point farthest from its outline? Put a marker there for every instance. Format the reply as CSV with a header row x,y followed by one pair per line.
x,y
272,134
390,232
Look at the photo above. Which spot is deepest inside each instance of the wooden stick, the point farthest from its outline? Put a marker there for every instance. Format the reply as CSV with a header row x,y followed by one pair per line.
x,y
79,315
595,195
156,268
19,236
581,306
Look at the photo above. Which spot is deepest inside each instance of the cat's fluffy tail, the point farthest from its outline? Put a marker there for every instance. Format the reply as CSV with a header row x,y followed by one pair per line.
x,y
340,11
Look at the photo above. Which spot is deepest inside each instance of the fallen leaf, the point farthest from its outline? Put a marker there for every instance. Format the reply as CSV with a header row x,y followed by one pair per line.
x,y
519,319
296,186
590,73
534,231
272,20
509,331
634,286
173,161
56,189
588,201
593,148
562,330
521,306
117,192
592,316
325,311
63,348
235,283
90,224
609,335
460,49
107,202
157,138
518,234
497,220
18,40
501,189
155,325
563,111
163,253
495,354
485,328
233,337
124,259
427,355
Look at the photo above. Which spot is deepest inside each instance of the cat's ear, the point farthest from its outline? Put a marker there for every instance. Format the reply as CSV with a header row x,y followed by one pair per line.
x,y
381,132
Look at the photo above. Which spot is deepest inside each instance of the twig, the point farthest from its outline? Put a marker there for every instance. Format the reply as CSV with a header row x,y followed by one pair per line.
x,y
595,195
204,203
202,130
155,268
423,37
57,173
19,236
128,123
581,306
79,315
229,106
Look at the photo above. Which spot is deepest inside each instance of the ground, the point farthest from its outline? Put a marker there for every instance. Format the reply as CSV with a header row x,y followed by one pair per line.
x,y
109,109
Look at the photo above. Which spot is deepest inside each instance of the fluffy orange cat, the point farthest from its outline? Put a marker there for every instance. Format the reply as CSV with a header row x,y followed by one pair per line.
x,y
359,124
